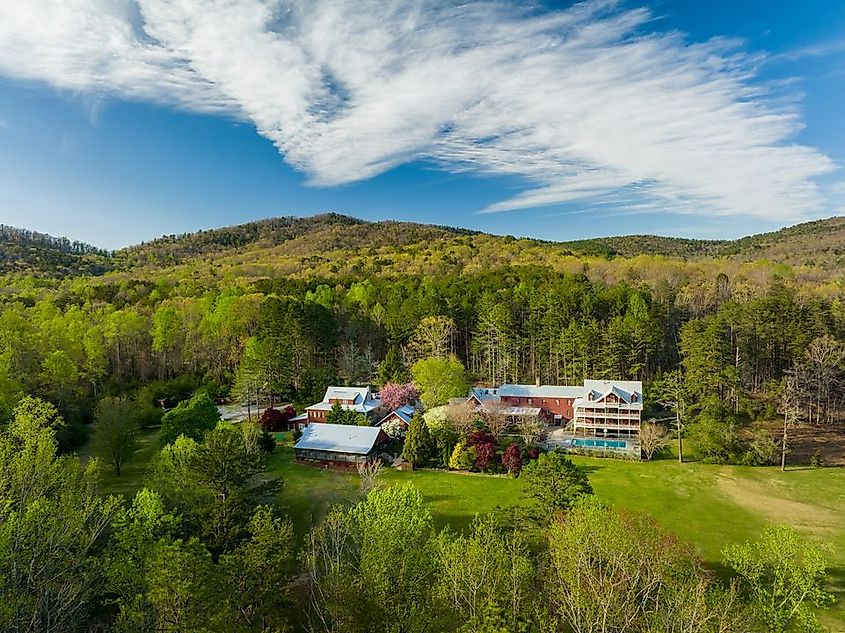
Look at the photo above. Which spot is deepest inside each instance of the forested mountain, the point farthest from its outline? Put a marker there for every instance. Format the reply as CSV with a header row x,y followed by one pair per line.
x,y
29,252
300,236
820,243
333,244
337,245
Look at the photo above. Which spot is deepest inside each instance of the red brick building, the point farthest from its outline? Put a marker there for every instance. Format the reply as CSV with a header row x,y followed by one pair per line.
x,y
554,402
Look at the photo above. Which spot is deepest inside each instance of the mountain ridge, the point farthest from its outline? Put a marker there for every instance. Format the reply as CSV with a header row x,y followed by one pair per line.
x,y
816,243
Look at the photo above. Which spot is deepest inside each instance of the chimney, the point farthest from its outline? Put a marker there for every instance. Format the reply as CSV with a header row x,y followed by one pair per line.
x,y
537,380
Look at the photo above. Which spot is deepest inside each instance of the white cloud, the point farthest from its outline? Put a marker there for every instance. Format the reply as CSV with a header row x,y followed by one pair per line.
x,y
581,104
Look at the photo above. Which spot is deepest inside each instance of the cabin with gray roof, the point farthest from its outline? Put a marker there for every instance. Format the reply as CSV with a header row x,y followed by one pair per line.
x,y
552,402
403,414
339,444
358,399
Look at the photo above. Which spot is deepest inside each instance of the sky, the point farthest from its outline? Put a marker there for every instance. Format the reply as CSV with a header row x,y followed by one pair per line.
x,y
123,120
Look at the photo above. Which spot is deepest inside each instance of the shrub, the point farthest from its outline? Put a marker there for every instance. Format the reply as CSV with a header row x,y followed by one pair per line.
x,y
395,429
763,450
485,449
816,460
715,440
463,457
485,456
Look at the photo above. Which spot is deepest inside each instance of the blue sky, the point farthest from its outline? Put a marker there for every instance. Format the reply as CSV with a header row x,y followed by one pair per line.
x,y
683,118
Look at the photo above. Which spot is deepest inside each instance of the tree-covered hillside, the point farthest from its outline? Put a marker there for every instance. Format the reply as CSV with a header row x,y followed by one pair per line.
x,y
334,245
28,252
299,236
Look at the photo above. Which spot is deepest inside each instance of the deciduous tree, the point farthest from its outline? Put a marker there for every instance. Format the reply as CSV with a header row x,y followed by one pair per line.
x,y
784,575
192,418
653,439
116,431
440,379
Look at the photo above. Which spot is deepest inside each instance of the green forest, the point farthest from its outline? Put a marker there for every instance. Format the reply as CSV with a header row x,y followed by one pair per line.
x,y
740,345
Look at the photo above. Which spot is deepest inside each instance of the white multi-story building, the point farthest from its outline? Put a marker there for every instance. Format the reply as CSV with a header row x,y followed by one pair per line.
x,y
608,415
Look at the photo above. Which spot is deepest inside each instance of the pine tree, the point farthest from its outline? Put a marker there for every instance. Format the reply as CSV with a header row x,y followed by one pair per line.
x,y
391,369
418,446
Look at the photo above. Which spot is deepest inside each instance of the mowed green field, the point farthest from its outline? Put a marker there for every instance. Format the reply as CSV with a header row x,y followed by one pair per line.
x,y
706,505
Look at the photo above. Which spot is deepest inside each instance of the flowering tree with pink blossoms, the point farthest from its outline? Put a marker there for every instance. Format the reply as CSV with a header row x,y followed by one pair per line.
x,y
394,395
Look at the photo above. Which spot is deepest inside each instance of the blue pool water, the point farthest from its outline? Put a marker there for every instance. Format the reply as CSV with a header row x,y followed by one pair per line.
x,y
598,443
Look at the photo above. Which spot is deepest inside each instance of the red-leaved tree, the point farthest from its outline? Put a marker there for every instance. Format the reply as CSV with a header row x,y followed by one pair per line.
x,y
512,458
277,419
485,449
395,395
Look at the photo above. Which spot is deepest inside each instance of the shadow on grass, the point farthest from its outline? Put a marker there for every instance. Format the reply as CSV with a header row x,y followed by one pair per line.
x,y
590,468
721,571
836,578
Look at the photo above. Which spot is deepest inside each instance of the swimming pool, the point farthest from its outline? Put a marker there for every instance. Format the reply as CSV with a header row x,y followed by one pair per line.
x,y
589,443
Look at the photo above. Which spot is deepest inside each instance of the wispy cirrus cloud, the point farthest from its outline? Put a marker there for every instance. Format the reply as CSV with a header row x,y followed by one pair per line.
x,y
589,103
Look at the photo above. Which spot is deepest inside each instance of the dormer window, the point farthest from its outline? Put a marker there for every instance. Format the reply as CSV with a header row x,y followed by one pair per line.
x,y
633,397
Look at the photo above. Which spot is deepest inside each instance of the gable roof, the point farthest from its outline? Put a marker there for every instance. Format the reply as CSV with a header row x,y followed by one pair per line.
x,y
541,391
624,389
339,438
484,394
358,395
404,413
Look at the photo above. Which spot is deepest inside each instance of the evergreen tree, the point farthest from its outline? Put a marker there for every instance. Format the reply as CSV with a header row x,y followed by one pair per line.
x,y
418,446
391,369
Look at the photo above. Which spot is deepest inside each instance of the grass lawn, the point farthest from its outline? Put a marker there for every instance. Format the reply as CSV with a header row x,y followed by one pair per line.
x,y
706,505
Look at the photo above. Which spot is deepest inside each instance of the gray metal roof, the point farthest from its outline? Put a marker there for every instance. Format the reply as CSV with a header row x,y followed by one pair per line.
x,y
356,394
338,438
541,391
404,413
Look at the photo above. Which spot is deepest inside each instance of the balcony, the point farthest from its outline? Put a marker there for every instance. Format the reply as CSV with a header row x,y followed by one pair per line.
x,y
592,423
581,413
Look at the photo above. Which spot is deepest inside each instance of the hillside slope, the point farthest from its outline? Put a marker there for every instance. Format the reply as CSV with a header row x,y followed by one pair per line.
x,y
28,252
300,237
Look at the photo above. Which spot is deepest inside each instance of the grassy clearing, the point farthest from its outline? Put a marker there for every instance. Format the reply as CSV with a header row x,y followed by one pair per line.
x,y
706,505
134,472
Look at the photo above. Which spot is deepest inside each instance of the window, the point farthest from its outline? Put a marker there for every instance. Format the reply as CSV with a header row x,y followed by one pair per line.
x,y
557,402
530,401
